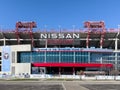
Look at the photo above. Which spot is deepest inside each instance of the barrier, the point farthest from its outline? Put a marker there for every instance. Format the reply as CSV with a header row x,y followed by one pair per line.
x,y
117,77
107,77
48,76
36,76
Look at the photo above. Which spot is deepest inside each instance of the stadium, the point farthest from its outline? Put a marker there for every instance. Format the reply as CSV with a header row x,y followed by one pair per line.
x,y
26,50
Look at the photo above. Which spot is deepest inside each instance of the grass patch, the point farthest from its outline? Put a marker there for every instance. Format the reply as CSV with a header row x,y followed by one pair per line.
x,y
61,79
24,79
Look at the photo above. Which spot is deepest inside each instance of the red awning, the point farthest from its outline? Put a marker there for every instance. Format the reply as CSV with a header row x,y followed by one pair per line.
x,y
72,65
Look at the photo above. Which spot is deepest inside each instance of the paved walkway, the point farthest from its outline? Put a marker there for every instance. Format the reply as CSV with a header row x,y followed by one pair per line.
x,y
59,85
73,86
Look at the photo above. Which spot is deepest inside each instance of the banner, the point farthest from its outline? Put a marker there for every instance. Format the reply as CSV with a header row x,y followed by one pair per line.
x,y
6,62
74,49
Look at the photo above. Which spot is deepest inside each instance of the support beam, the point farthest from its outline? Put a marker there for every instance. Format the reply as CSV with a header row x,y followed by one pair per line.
x,y
116,44
46,43
59,56
74,57
59,70
18,38
87,39
116,61
102,38
73,70
88,57
25,27
45,57
31,36
4,41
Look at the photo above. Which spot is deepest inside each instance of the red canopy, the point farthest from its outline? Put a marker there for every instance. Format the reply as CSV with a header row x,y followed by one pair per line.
x,y
72,65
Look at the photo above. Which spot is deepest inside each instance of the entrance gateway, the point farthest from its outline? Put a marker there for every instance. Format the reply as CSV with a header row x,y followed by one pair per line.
x,y
65,68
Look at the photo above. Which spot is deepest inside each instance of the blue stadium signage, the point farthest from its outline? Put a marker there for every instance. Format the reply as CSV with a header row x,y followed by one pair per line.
x,y
6,62
73,49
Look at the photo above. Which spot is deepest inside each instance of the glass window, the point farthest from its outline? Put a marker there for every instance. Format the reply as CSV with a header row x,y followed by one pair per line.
x,y
67,56
52,56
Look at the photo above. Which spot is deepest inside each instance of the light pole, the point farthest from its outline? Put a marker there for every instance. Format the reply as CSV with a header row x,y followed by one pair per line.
x,y
46,33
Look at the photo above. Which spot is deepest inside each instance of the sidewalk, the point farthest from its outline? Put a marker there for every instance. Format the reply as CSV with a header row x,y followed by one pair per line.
x,y
73,86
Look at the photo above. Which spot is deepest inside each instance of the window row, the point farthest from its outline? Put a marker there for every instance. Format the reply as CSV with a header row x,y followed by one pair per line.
x,y
26,58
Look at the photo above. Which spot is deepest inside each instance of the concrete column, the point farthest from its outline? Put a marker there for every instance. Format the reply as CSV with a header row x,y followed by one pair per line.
x,y
45,57
86,46
87,42
116,44
73,71
74,56
46,43
101,43
101,46
31,57
45,51
16,54
4,41
59,70
59,57
88,57
116,61
101,60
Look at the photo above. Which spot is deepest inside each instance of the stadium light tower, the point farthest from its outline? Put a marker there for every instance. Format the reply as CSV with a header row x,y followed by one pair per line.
x,y
119,28
45,26
1,26
59,26
73,33
0,29
118,25
73,26
46,42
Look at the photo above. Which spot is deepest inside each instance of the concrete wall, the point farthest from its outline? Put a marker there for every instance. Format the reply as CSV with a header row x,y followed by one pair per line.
x,y
21,68
19,48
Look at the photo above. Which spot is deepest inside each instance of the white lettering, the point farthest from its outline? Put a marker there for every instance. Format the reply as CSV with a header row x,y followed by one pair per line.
x,y
43,36
76,35
54,35
61,35
48,35
68,36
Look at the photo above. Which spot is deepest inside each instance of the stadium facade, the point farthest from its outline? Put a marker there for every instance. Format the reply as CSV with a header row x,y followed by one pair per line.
x,y
26,50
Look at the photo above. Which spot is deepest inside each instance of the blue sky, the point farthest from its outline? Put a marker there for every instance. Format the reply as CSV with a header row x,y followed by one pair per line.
x,y
65,13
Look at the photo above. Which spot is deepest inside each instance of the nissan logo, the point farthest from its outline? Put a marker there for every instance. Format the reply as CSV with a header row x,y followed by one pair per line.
x,y
6,56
